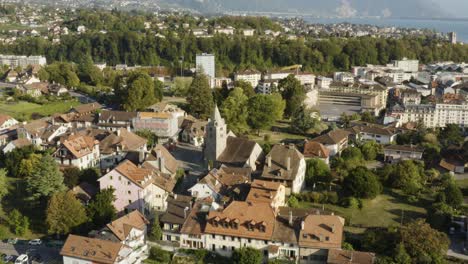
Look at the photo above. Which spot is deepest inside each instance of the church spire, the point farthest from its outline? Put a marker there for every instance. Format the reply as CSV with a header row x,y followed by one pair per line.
x,y
216,114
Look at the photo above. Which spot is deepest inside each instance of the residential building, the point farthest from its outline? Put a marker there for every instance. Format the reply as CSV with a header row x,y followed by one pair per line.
x,y
85,109
272,193
129,230
278,75
78,151
115,120
178,209
6,122
163,125
117,145
18,143
305,78
452,37
335,141
22,61
377,133
344,77
161,159
248,32
164,107
453,164
340,256
286,165
410,96
85,192
395,153
34,90
407,65
85,250
33,131
225,182
316,150
137,188
251,76
323,82
205,63
193,131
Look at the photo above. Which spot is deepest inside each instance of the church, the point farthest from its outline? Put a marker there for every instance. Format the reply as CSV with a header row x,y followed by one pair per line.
x,y
222,147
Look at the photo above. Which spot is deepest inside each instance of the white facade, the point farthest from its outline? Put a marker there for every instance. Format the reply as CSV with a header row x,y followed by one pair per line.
x,y
205,63
203,190
22,61
305,78
433,116
253,78
299,182
324,82
8,123
407,65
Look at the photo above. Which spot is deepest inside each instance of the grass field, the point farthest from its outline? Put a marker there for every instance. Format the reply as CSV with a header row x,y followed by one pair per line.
x,y
23,110
280,133
387,209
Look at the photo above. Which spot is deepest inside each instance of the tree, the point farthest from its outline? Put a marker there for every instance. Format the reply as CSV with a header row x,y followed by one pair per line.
x,y
90,175
88,73
45,180
200,98
101,209
247,255
147,134
317,171
71,177
63,73
159,255
18,222
64,213
293,202
261,108
158,90
424,243
368,117
352,154
181,86
407,175
362,183
401,256
451,134
135,91
370,149
28,165
279,106
246,87
156,231
293,93
453,195
3,183
302,120
235,111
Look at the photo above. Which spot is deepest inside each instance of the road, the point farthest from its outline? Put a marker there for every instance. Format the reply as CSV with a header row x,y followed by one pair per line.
x,y
190,158
48,254
84,99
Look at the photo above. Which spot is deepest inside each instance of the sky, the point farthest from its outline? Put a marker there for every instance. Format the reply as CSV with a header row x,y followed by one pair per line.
x,y
458,8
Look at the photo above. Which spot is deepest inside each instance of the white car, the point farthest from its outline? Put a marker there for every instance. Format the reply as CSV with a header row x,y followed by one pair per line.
x,y
35,242
22,259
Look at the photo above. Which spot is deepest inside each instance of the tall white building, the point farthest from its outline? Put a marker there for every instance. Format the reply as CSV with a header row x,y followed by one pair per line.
x,y
22,61
251,76
433,116
452,37
407,65
206,64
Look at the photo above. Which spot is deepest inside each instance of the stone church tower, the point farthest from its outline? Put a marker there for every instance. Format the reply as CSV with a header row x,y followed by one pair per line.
x,y
215,137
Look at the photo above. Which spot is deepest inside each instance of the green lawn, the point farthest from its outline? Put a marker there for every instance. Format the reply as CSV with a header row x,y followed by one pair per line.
x,y
22,110
385,210
280,132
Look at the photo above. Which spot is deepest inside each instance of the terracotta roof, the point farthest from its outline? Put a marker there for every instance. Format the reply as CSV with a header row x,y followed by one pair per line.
x,y
21,142
333,137
140,176
123,140
150,115
242,219
87,108
95,250
280,154
321,231
373,129
124,225
196,221
79,145
178,209
313,149
116,116
85,191
42,86
339,256
4,118
237,151
263,191
451,164
35,127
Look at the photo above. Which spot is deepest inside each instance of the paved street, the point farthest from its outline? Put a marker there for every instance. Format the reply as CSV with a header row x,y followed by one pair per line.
x,y
190,159
48,254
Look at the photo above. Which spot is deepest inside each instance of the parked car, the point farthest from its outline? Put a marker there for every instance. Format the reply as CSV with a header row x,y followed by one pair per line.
x,y
22,259
8,258
35,242
12,241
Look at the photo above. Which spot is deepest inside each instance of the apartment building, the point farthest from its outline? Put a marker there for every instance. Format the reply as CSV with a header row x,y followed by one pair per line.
x,y
22,61
251,76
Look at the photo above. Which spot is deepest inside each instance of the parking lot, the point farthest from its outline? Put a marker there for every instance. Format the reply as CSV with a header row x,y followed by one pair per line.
x,y
46,252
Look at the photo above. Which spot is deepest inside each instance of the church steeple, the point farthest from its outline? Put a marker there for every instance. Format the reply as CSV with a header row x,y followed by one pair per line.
x,y
216,115
215,137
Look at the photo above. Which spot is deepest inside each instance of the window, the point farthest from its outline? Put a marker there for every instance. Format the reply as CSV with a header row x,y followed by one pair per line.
x,y
224,247
110,177
120,178
129,192
128,183
213,236
129,201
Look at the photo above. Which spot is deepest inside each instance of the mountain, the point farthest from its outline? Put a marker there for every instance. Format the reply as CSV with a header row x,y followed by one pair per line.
x,y
342,8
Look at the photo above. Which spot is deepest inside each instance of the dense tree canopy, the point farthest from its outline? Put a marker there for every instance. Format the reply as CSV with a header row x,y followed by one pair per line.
x,y
64,213
200,97
45,180
235,112
293,93
135,91
247,255
303,120
317,171
101,209
362,183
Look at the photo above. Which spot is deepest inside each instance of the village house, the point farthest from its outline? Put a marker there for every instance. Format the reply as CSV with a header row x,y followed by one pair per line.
x,y
286,165
78,151
6,122
335,141
160,159
115,120
33,131
85,192
178,209
251,76
396,153
164,125
193,131
16,144
137,188
115,147
272,193
316,150
377,133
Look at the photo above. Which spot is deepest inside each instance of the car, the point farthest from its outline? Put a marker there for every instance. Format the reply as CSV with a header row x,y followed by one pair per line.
x,y
8,258
12,241
35,242
22,259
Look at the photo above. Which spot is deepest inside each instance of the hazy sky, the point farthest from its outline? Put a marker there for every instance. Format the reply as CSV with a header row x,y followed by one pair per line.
x,y
457,7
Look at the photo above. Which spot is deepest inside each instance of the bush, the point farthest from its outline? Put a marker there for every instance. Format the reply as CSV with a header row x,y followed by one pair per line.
x,y
293,202
159,255
350,202
332,197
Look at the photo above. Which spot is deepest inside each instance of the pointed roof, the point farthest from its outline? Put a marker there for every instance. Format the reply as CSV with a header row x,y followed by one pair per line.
x,y
216,114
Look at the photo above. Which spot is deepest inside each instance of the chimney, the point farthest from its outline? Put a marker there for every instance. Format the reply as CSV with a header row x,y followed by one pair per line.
x,y
288,163
141,156
302,225
290,218
269,161
118,132
185,212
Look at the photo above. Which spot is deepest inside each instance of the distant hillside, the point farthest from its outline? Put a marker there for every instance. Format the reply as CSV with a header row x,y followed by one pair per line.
x,y
344,8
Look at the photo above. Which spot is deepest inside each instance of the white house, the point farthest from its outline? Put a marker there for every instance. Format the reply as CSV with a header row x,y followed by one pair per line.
x,y
78,151
251,76
7,121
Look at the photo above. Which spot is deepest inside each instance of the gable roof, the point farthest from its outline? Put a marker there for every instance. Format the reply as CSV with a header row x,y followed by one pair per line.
x,y
339,256
96,250
79,145
321,231
242,219
314,149
237,151
123,140
170,162
280,154
140,176
333,137
408,148
123,225
106,116
263,191
4,118
178,208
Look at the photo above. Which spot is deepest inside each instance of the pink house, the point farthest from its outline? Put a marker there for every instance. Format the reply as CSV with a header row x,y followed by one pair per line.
x,y
137,188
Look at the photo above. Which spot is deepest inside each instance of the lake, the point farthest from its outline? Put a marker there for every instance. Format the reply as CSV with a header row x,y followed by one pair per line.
x,y
444,26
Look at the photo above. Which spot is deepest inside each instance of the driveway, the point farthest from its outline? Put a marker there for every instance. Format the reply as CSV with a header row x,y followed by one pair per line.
x,y
48,254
